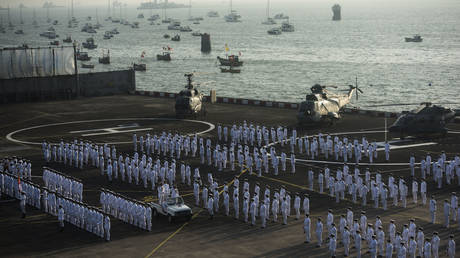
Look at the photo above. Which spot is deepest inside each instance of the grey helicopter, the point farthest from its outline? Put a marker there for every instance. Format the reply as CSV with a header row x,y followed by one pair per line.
x,y
189,102
426,120
322,105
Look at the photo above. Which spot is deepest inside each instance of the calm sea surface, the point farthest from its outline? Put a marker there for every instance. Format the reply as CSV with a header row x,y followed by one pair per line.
x,y
367,43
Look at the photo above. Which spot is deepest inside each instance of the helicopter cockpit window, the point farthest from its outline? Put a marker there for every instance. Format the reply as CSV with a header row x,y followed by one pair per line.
x,y
196,92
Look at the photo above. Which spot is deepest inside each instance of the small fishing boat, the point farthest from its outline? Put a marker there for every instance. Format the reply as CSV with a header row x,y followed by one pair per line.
x,y
139,67
232,60
176,38
415,38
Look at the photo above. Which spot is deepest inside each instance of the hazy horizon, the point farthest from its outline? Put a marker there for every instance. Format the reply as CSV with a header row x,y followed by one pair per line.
x,y
239,4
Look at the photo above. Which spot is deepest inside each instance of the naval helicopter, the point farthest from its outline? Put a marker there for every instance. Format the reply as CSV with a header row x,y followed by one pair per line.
x,y
427,120
189,102
322,105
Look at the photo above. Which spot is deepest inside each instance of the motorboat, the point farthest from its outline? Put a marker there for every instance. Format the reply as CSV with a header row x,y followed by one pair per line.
x,y
135,25
212,14
166,56
49,34
269,21
281,16
140,16
19,32
108,35
176,38
154,17
287,27
105,59
174,26
166,20
68,39
196,33
83,56
233,16
139,67
185,29
87,66
274,31
415,38
166,36
54,43
89,44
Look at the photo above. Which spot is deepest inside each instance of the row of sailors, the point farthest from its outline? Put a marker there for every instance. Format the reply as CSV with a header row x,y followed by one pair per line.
x,y
440,168
76,213
26,191
76,153
84,216
66,186
451,210
402,243
126,209
135,170
166,143
17,166
129,169
344,182
323,144
253,207
240,134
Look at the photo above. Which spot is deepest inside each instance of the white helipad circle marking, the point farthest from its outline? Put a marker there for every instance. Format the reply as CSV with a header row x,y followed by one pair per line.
x,y
9,136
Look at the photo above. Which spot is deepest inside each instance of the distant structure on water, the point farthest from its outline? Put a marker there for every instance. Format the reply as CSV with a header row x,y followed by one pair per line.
x,y
50,5
156,4
336,9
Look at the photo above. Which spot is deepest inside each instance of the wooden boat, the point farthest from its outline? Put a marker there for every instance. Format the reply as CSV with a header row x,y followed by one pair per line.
x,y
232,60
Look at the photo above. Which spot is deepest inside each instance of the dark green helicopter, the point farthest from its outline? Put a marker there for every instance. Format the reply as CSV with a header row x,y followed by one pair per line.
x,y
427,120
